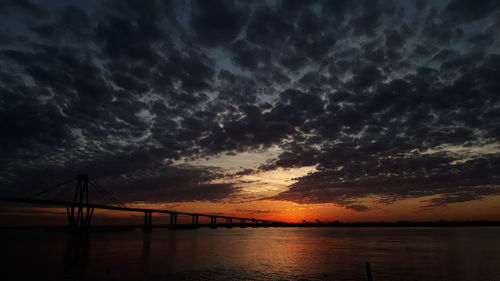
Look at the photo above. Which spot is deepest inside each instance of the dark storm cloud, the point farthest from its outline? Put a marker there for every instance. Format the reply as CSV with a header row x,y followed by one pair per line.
x,y
358,208
462,10
138,175
217,22
397,179
24,7
174,184
247,56
378,96
256,211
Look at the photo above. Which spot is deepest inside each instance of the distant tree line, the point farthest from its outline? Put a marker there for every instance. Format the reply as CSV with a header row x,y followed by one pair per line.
x,y
318,223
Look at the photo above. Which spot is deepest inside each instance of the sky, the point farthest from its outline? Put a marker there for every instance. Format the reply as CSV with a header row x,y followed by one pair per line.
x,y
288,110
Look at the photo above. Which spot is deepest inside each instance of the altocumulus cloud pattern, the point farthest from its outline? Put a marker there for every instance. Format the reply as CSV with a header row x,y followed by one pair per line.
x,y
388,99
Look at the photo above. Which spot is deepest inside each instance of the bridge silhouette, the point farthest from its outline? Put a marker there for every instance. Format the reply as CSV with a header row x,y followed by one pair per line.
x,y
80,210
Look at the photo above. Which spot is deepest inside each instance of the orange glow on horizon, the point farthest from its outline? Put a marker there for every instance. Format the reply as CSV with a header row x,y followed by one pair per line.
x,y
486,209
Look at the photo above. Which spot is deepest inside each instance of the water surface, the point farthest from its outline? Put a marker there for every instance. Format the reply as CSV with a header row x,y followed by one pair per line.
x,y
452,253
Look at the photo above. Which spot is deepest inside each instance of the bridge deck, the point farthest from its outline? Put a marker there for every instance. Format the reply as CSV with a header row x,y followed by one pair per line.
x,y
125,209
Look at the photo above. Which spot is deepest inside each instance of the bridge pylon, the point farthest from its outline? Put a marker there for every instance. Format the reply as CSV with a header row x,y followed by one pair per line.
x,y
80,212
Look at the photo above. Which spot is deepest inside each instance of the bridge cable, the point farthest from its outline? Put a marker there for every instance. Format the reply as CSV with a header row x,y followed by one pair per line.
x,y
107,195
60,193
97,195
50,188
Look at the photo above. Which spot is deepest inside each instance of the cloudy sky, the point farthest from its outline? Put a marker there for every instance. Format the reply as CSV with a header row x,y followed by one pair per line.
x,y
293,110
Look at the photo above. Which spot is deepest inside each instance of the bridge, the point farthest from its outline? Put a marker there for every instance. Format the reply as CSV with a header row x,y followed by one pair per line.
x,y
80,211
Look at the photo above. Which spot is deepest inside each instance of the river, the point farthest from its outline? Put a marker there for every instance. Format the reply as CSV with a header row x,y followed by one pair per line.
x,y
452,253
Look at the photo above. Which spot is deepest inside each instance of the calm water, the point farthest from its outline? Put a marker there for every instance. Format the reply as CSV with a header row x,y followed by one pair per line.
x,y
254,254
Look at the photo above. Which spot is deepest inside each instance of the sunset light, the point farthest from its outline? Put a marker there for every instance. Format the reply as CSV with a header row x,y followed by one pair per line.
x,y
250,140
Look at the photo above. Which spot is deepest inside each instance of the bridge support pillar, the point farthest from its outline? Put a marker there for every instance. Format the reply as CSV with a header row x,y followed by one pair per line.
x,y
173,219
148,221
229,222
195,220
80,212
213,222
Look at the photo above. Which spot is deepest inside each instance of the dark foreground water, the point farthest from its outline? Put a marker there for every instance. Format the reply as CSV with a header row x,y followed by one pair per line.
x,y
254,254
